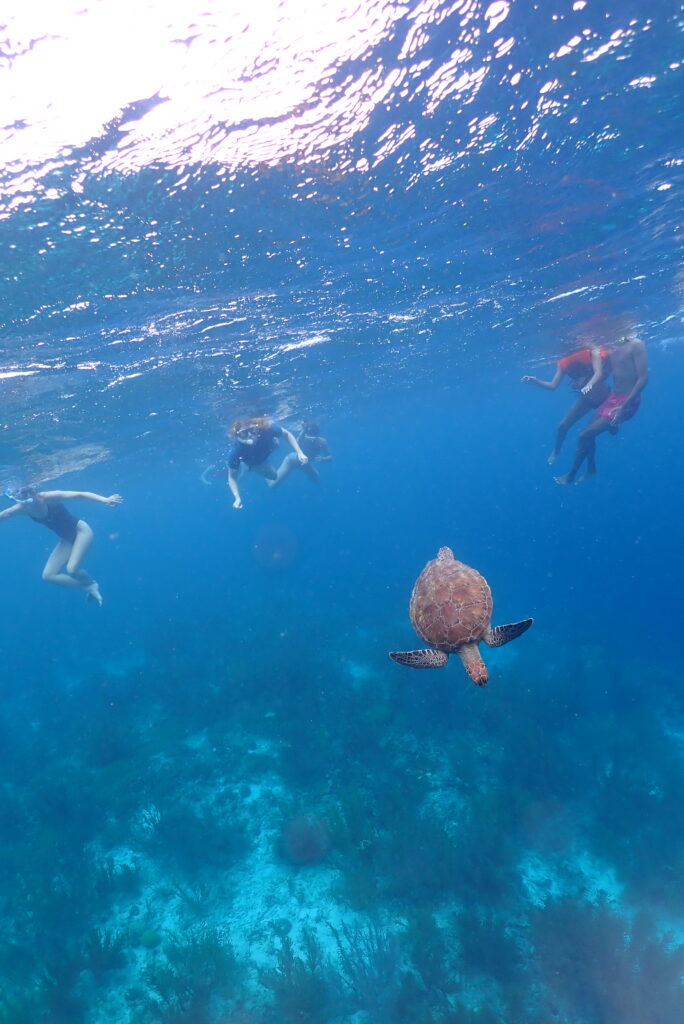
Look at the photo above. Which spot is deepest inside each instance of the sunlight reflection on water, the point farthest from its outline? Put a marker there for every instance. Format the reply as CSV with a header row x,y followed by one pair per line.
x,y
198,82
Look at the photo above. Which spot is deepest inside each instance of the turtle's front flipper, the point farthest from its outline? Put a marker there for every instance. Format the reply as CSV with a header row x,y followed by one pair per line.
x,y
420,659
501,635
473,664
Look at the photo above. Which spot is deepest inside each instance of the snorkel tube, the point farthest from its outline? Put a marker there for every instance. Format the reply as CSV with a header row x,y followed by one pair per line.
x,y
248,431
21,495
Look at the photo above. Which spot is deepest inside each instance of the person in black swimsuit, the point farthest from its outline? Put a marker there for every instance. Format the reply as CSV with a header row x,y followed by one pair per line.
x,y
75,536
314,447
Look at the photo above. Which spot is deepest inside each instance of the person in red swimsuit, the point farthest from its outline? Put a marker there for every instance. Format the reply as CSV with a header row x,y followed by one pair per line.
x,y
75,535
629,367
586,370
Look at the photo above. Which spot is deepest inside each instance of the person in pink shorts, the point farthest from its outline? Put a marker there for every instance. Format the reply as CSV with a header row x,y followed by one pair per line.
x,y
629,366
613,402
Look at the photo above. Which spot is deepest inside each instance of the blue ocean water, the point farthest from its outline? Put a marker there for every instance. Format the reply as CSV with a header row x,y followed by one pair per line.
x,y
220,801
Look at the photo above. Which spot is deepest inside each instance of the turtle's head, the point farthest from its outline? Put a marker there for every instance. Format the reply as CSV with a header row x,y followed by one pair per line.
x,y
445,555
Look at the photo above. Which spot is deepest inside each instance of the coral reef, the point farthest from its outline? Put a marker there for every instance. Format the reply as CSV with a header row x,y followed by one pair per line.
x,y
519,863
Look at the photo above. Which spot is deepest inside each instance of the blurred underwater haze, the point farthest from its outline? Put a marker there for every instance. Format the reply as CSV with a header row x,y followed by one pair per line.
x,y
220,801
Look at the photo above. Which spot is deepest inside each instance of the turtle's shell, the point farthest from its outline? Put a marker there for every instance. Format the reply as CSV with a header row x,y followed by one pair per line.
x,y
451,603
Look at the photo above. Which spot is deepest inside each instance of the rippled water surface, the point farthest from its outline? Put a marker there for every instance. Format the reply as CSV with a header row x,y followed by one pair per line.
x,y
203,204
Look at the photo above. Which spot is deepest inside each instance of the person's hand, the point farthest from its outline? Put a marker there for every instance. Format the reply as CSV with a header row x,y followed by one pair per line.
x,y
586,389
616,417
528,380
302,459
237,503
113,499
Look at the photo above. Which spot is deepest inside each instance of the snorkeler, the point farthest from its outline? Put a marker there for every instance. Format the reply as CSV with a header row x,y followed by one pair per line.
x,y
629,366
314,447
254,440
587,370
75,535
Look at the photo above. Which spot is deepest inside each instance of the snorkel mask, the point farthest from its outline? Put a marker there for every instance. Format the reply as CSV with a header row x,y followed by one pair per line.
x,y
21,495
248,435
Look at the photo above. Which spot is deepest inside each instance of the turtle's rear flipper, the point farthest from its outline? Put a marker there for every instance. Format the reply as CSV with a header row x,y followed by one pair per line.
x,y
501,635
420,659
473,664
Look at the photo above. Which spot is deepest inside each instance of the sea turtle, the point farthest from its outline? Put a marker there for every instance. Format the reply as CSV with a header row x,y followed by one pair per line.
x,y
451,609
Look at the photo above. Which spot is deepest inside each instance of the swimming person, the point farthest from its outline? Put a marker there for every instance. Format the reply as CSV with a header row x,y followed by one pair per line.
x,y
629,367
75,536
254,440
587,370
314,447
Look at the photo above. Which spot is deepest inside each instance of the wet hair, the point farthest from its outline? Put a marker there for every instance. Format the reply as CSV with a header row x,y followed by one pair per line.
x,y
249,423
310,428
572,345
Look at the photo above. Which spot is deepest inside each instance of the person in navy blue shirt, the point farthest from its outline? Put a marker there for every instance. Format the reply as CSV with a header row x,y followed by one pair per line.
x,y
253,441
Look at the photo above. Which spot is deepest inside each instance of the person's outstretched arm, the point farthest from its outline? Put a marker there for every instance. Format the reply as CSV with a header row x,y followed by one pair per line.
x,y
292,441
111,500
641,367
13,510
548,385
234,490
324,453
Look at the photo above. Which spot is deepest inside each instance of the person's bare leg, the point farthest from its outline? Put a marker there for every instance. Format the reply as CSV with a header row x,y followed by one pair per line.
x,y
576,411
57,560
84,538
289,463
590,456
80,547
268,472
586,447
69,556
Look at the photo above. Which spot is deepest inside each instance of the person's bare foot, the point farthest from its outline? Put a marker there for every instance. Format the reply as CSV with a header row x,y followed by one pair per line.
x,y
564,480
587,476
552,458
93,593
